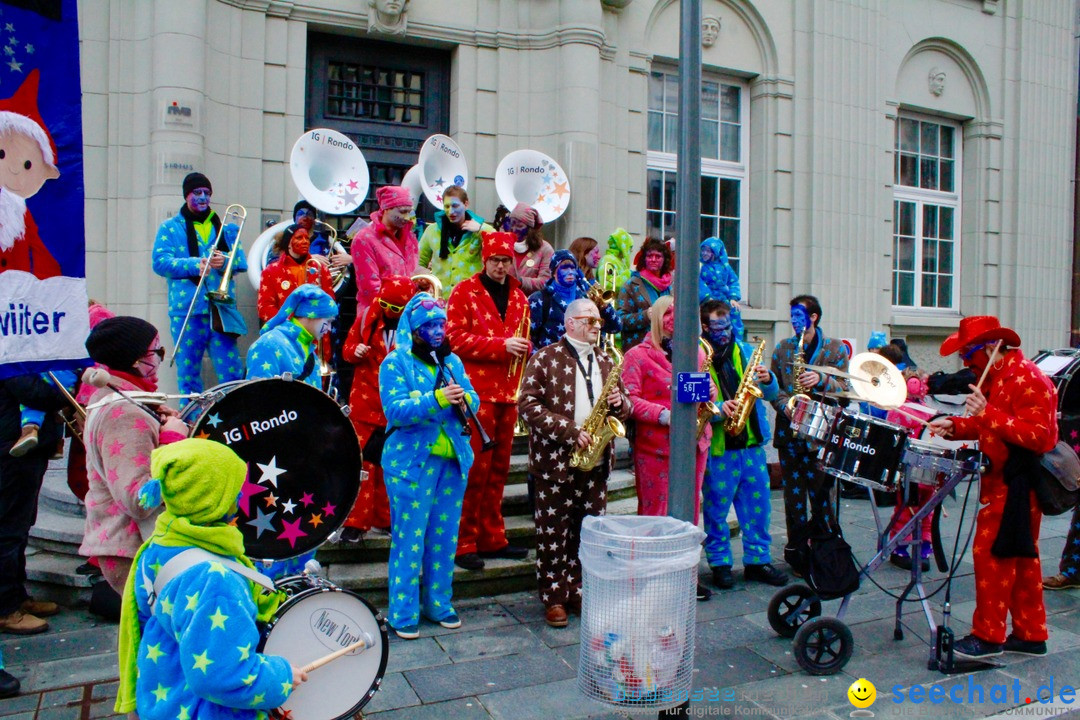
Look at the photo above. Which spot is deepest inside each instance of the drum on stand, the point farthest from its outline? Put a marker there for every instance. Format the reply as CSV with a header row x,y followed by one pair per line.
x,y
317,619
813,419
865,450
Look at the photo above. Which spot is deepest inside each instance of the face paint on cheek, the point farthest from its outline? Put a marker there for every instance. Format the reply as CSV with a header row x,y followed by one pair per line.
x,y
567,275
654,261
433,332
300,246
455,210
324,327
669,322
594,257
800,319
720,332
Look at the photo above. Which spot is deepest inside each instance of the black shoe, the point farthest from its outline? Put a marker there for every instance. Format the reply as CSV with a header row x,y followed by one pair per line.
x,y
722,577
765,573
901,561
509,552
352,535
703,593
469,561
975,648
9,684
1014,644
88,569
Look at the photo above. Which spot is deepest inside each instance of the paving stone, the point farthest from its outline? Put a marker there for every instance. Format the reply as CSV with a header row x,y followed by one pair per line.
x,y
541,702
393,693
464,708
21,716
734,666
71,712
794,695
718,635
412,654
557,637
105,690
475,615
63,673
103,709
58,698
478,677
490,643
54,646
19,704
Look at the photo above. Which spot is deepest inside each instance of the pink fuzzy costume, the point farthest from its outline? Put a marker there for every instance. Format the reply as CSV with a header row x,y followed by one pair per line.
x,y
647,376
377,252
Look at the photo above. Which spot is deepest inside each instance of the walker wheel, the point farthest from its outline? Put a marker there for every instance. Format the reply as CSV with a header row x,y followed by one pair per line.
x,y
823,646
791,607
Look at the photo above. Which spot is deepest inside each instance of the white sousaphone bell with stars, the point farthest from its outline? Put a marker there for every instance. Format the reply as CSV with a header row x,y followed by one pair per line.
x,y
440,165
331,173
531,177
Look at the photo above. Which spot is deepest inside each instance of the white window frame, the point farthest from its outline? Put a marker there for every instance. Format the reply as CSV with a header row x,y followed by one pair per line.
x,y
711,167
921,197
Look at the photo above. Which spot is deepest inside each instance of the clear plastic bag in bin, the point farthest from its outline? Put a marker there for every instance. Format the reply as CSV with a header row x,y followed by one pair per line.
x,y
638,610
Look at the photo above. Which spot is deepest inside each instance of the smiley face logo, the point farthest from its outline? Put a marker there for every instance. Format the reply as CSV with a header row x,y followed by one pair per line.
x,y
862,693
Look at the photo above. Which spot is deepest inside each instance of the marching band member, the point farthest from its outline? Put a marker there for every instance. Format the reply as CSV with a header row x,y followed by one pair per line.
x,y
532,253
651,281
586,254
806,489
119,439
427,459
562,384
191,651
450,247
737,471
547,306
181,252
913,419
485,325
304,216
1014,420
370,340
719,281
295,266
289,341
617,255
387,246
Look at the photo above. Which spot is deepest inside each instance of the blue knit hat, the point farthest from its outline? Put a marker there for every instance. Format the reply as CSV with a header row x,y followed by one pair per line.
x,y
560,257
306,301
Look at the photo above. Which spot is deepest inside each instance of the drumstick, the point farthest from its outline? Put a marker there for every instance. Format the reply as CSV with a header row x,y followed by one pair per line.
x,y
326,659
993,357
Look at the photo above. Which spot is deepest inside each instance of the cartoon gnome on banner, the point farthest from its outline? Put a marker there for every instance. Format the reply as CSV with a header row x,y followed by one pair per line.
x,y
27,160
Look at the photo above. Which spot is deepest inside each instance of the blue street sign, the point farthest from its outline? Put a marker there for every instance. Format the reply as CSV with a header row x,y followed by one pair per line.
x,y
693,387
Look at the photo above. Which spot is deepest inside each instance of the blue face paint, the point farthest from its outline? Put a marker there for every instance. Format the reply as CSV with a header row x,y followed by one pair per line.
x,y
706,255
566,275
433,332
800,319
720,331
198,200
454,209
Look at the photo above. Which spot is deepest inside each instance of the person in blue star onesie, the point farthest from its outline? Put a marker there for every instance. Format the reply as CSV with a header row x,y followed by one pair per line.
x,y
289,341
190,651
181,252
736,470
719,281
426,461
547,306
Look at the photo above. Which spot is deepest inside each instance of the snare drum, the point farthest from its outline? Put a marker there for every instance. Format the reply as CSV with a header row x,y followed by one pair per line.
x,y
928,457
812,419
865,450
302,455
317,619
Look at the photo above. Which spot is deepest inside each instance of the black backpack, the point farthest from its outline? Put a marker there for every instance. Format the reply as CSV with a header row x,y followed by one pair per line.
x,y
830,569
1056,481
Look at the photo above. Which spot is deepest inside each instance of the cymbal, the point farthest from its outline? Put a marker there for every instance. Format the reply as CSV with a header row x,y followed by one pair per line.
x,y
829,370
882,383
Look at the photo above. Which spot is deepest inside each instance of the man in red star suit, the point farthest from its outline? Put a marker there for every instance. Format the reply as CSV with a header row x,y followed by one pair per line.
x,y
487,327
370,340
555,402
1013,412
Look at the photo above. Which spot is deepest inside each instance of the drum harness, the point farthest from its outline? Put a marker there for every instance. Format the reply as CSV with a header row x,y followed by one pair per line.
x,y
188,559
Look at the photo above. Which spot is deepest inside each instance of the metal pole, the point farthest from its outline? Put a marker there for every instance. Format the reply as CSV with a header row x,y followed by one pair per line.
x,y
683,467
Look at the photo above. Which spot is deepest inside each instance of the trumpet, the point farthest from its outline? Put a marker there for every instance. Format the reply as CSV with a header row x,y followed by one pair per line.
x,y
518,363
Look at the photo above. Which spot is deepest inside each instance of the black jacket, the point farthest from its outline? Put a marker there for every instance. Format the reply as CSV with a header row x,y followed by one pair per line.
x,y
32,391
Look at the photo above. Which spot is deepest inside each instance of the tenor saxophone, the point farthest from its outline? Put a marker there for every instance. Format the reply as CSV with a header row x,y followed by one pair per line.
x,y
798,367
602,427
747,394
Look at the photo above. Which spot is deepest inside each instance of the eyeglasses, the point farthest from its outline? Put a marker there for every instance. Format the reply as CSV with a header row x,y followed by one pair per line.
x,y
432,304
159,351
588,320
501,260
390,307
970,351
304,212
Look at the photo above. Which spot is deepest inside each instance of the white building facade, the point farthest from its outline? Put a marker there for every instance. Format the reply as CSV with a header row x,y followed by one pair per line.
x,y
907,161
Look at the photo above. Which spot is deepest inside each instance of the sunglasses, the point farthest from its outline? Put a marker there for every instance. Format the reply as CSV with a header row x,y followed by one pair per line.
x,y
969,352
391,307
159,351
432,304
304,212
588,320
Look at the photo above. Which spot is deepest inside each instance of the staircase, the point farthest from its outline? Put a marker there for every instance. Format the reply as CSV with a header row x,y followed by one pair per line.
x,y
362,567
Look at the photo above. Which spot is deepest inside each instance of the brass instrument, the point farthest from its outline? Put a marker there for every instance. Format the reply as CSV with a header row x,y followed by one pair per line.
x,y
708,409
599,295
517,367
222,293
798,367
602,427
75,416
429,284
747,394
338,275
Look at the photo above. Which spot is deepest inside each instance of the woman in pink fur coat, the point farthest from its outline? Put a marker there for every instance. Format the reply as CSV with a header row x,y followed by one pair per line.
x,y
387,246
647,375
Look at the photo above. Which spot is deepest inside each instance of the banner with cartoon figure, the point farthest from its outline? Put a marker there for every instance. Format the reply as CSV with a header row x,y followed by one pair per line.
x,y
43,304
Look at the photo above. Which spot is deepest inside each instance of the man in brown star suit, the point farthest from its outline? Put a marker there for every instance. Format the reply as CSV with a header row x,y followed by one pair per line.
x,y
562,384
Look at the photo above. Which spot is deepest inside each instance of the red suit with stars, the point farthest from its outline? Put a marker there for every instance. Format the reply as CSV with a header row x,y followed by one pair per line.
x,y
1021,410
477,334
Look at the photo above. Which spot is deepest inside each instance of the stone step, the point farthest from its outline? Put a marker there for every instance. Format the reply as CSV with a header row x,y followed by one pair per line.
x,y
57,532
56,494
55,569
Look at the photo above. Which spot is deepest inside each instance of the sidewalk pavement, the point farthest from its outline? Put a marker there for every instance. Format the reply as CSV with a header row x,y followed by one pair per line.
x,y
505,662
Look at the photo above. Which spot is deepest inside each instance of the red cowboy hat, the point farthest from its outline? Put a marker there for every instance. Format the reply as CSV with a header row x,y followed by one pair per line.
x,y
977,329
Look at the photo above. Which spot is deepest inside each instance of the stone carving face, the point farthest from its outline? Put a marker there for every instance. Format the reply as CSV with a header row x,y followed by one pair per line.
x,y
387,16
710,31
936,81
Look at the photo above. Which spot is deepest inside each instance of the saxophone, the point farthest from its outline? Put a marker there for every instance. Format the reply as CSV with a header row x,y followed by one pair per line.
x,y
747,394
798,367
707,409
602,427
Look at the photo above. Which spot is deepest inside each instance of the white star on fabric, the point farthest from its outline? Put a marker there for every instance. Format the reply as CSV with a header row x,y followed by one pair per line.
x,y
270,472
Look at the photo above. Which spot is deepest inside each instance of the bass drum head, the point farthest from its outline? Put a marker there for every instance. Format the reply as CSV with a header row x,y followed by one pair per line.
x,y
303,463
316,623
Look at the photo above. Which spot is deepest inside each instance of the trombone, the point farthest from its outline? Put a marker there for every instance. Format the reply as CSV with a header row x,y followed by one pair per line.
x,y
220,295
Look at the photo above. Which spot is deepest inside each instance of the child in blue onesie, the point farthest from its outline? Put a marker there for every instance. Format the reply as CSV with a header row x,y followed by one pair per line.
x,y
426,460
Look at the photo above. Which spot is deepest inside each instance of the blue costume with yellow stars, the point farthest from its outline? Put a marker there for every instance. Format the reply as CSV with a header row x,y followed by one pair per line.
x,y
426,461
284,346
174,260
719,281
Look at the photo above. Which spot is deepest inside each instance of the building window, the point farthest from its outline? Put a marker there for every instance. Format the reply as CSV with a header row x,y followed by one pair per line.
x,y
723,149
926,214
366,92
